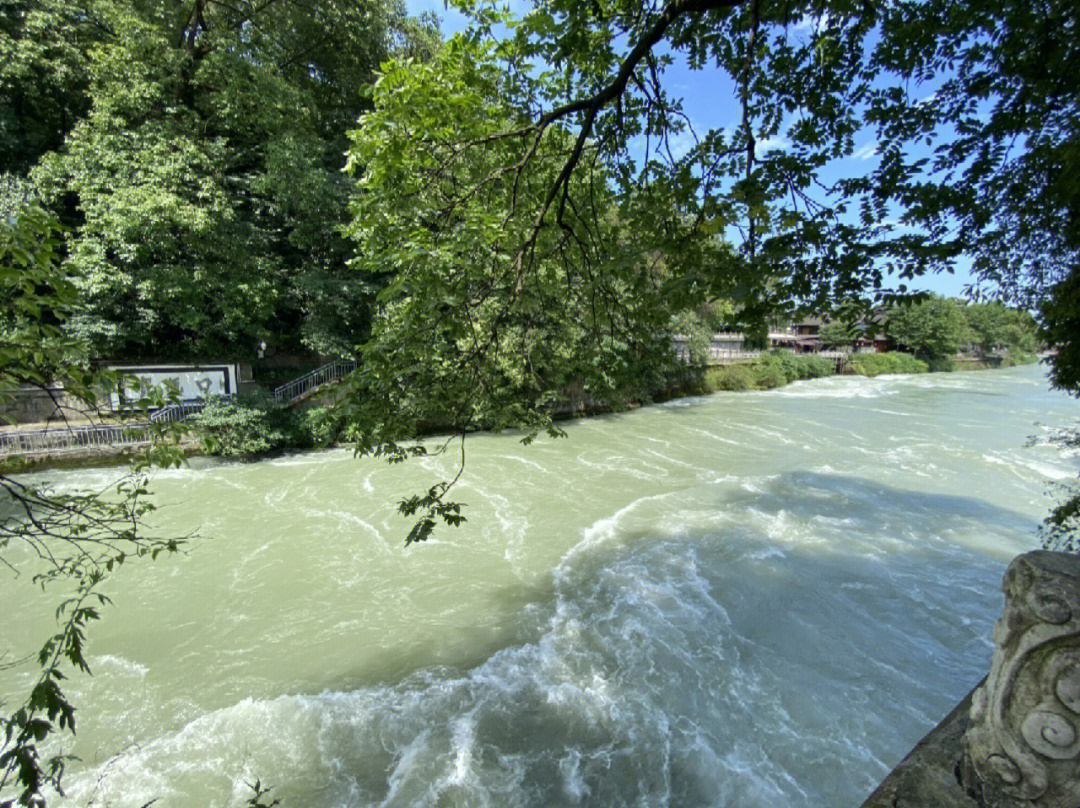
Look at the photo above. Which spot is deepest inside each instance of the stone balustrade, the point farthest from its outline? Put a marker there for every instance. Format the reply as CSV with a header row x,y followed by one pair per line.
x,y
1014,742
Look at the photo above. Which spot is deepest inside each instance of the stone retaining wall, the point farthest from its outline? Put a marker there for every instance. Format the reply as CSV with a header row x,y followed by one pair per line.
x,y
35,405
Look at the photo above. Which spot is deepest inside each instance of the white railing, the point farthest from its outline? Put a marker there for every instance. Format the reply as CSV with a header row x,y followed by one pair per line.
x,y
177,412
293,391
716,355
63,438
720,354
67,437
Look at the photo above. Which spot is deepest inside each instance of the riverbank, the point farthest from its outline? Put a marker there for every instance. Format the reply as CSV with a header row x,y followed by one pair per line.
x,y
237,431
779,368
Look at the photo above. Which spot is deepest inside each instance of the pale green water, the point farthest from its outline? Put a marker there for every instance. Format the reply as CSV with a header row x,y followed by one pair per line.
x,y
752,599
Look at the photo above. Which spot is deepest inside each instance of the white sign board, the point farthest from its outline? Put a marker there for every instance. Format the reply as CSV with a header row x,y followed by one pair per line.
x,y
192,382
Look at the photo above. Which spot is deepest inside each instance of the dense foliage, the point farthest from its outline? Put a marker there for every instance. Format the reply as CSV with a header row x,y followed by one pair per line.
x,y
875,364
839,333
251,425
244,426
781,367
194,150
487,311
934,328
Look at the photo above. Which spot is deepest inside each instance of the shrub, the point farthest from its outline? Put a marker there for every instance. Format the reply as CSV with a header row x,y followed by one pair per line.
x,y
804,366
874,364
243,426
730,377
770,371
774,369
816,367
942,364
320,427
1019,358
789,361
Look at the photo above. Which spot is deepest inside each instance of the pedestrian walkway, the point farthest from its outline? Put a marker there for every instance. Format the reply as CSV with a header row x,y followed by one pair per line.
x,y
61,437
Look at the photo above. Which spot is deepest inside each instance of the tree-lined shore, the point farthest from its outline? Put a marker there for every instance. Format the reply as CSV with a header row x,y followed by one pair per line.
x,y
485,221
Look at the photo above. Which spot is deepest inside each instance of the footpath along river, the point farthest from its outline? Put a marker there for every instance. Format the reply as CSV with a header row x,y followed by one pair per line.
x,y
746,599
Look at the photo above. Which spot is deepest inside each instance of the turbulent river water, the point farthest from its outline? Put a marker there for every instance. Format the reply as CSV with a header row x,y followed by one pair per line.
x,y
748,599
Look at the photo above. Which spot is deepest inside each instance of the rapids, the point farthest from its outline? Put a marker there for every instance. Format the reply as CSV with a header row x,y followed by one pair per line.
x,y
746,599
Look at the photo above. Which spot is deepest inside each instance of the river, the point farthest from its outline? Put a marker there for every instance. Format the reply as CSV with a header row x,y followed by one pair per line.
x,y
745,599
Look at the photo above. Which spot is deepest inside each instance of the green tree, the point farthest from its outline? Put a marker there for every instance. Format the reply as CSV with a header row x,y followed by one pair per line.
x,y
934,328
592,77
512,220
994,324
497,295
839,334
987,323
46,47
197,163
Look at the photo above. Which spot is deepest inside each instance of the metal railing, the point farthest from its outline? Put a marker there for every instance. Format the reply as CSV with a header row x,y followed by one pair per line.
x,y
68,437
62,438
715,355
291,392
177,412
720,354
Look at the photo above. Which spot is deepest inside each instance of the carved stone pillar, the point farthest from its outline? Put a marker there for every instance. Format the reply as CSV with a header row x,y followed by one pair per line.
x,y
1022,745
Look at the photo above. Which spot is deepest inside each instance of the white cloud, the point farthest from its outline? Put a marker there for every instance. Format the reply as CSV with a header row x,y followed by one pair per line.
x,y
681,143
867,152
809,22
768,144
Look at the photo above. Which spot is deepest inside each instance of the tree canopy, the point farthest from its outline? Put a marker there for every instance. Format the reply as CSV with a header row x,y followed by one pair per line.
x,y
574,159
839,333
932,329
194,152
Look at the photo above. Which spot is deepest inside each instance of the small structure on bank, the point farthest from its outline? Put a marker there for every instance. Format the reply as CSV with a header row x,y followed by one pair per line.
x,y
188,382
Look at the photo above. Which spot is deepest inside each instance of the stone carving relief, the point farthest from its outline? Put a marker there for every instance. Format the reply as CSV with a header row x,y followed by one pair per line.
x,y
1022,746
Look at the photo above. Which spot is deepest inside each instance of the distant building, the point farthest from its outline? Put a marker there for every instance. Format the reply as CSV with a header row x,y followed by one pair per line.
x,y
800,337
803,336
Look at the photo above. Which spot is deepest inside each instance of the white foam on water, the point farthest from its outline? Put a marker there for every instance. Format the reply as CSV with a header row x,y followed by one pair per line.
x,y
840,387
640,689
117,664
573,786
1022,466
713,436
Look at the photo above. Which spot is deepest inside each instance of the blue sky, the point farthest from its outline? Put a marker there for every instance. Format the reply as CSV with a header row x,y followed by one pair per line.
x,y
710,102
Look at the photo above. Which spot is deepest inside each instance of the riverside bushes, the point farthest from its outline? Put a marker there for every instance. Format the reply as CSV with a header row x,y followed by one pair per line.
x,y
780,367
1019,358
774,369
249,425
874,364
729,377
252,425
805,366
